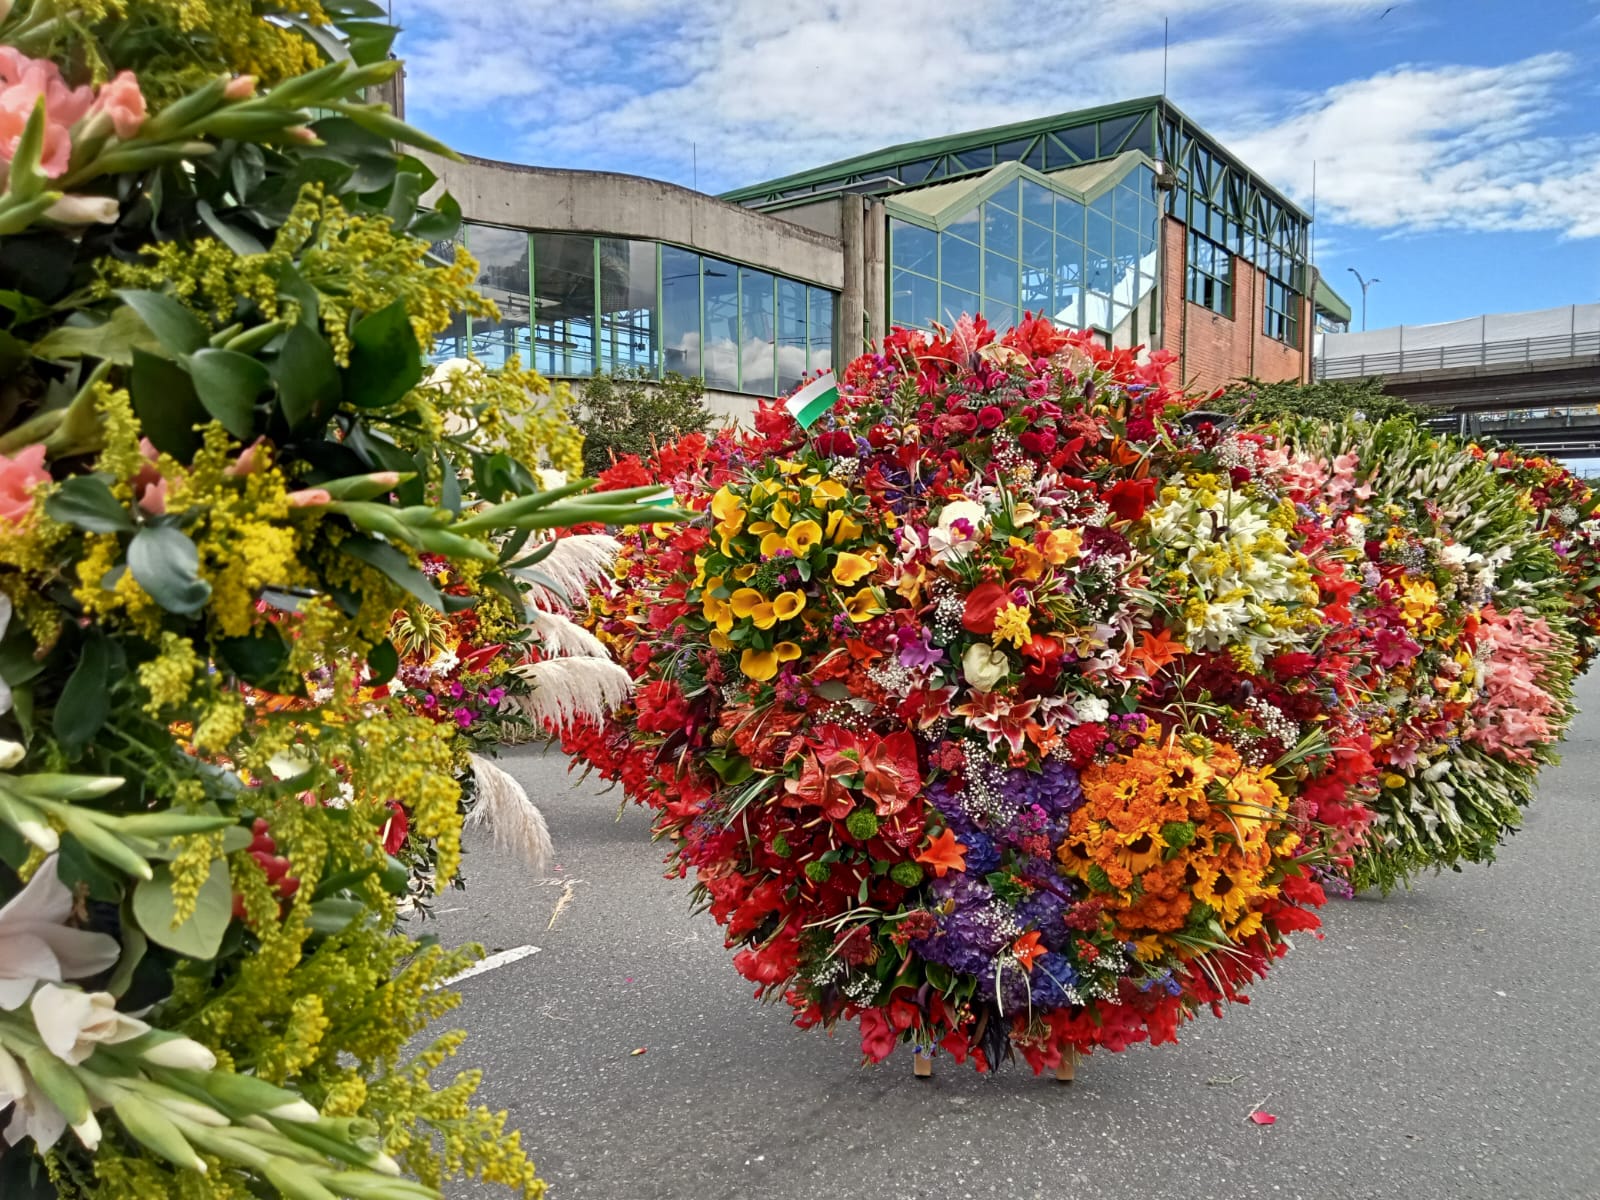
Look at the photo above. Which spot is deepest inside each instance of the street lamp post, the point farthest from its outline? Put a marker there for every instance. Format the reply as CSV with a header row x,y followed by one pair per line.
x,y
1365,284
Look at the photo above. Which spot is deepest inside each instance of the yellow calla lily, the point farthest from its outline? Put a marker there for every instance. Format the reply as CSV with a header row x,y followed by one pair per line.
x,y
828,489
803,536
789,605
759,665
786,651
743,573
760,527
781,514
745,601
719,640
727,504
771,543
851,568
842,527
717,612
786,467
863,606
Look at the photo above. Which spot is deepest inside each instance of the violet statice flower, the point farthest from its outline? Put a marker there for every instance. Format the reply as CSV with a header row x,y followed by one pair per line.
x,y
918,651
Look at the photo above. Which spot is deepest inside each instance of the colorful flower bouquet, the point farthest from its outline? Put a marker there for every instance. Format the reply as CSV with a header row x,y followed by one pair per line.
x,y
1016,706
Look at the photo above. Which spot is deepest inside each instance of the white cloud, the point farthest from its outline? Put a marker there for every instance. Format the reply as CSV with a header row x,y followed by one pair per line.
x,y
764,87
1438,148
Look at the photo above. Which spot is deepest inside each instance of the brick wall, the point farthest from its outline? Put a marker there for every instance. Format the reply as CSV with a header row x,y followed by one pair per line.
x,y
1213,349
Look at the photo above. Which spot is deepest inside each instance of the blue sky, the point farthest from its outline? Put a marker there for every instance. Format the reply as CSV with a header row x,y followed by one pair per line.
x,y
1456,142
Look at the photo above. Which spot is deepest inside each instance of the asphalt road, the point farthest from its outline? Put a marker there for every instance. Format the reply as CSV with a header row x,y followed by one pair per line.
x,y
1440,1043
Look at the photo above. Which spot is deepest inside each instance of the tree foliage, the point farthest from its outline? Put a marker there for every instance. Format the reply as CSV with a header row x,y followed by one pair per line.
x,y
631,413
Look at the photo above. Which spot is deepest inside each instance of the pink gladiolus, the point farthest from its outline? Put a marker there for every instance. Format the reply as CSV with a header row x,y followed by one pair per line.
x,y
246,463
19,476
123,102
23,81
310,498
240,87
153,499
1512,715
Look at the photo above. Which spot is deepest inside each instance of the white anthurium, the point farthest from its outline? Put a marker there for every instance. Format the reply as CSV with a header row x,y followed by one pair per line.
x,y
72,1022
37,946
11,753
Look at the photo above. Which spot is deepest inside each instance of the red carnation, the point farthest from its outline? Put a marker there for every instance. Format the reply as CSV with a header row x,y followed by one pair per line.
x,y
1128,498
1041,442
1084,742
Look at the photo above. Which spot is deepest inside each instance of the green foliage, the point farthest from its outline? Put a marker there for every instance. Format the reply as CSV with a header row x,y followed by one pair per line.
x,y
631,413
1328,400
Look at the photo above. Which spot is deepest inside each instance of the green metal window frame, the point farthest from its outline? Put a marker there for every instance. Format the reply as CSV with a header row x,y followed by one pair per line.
x,y
1280,313
658,324
1205,287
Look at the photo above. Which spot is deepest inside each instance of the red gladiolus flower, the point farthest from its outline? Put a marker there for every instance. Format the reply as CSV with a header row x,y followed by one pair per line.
x,y
395,828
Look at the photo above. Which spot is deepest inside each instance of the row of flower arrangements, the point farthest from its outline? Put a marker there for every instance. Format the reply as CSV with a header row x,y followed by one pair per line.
x,y
1019,706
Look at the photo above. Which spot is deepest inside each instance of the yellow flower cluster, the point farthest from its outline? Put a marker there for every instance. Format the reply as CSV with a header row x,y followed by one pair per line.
x,y
170,675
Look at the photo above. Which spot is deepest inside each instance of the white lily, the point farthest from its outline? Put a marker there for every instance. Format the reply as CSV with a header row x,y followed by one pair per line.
x,y
36,944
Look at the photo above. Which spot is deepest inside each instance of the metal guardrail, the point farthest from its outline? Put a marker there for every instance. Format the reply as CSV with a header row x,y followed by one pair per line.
x,y
1443,358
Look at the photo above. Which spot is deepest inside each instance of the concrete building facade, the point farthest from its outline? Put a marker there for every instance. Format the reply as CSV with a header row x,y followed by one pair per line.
x,y
1128,220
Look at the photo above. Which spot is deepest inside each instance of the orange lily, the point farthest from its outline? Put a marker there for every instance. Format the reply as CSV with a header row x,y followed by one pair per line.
x,y
1155,652
1027,948
944,853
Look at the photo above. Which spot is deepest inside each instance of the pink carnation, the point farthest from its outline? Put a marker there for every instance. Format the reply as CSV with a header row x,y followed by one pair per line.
x,y
18,478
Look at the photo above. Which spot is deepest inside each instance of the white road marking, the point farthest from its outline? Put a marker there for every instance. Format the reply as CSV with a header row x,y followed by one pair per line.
x,y
493,962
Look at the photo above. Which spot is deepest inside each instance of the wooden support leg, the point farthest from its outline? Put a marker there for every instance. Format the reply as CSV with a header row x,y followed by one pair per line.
x,y
1069,1065
922,1065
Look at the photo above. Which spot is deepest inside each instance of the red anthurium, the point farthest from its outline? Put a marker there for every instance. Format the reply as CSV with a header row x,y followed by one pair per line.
x,y
983,603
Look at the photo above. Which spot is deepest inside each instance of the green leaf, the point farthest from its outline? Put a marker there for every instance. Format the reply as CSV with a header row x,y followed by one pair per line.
x,y
293,286
166,564
175,327
86,700
114,340
449,485
308,380
86,502
385,360
200,935
241,243
228,384
383,660
396,566
440,225
403,196
257,660
335,914
165,402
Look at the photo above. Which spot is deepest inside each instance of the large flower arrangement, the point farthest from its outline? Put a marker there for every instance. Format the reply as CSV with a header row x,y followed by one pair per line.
x,y
971,712
222,472
1016,706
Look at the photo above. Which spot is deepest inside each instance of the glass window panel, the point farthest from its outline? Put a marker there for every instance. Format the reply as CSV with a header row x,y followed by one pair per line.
x,y
1096,310
1125,203
1005,198
1113,131
1000,317
628,312
999,280
1069,283
1080,142
1069,218
719,289
1056,155
954,302
757,334
791,334
502,256
452,342
563,304
1144,181
1102,203
1037,202
999,229
958,262
915,300
1037,287
1013,151
680,311
1036,241
966,225
821,357
975,160
913,248
918,171
1099,239
1035,157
